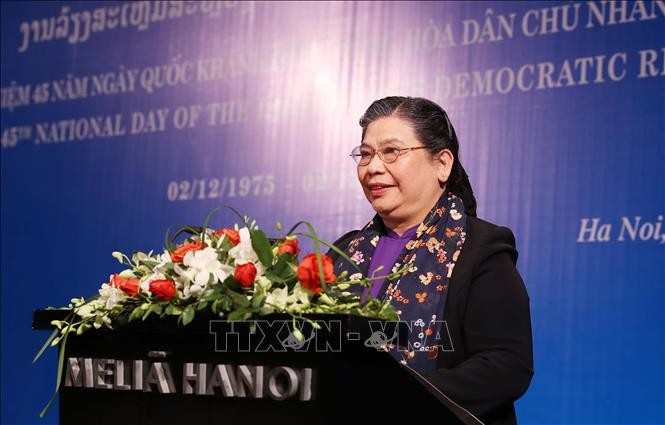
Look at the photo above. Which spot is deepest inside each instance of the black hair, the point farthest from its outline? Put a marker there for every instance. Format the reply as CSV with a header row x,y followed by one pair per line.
x,y
434,130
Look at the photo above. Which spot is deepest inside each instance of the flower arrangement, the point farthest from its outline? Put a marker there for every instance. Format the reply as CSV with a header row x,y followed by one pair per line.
x,y
235,273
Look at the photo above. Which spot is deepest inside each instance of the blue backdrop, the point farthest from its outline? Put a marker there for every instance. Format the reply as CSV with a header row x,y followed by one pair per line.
x,y
120,119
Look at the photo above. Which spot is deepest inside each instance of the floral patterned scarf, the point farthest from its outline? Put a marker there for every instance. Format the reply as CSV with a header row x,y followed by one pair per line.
x,y
419,295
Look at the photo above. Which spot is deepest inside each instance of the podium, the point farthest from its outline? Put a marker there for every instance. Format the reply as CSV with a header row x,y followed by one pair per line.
x,y
256,372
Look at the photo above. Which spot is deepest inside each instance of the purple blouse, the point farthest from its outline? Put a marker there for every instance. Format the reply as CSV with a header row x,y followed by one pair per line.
x,y
385,254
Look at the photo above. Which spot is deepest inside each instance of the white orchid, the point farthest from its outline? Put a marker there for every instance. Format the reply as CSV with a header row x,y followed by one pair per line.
x,y
277,299
111,296
193,290
280,299
162,260
263,282
201,265
299,295
295,302
244,250
89,309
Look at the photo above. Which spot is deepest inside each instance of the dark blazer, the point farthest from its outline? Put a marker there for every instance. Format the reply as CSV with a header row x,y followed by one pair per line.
x,y
487,314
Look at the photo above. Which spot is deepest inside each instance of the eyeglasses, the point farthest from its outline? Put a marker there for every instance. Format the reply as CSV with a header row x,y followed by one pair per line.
x,y
363,155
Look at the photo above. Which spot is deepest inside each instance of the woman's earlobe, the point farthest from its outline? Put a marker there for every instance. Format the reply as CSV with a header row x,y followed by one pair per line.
x,y
443,178
445,166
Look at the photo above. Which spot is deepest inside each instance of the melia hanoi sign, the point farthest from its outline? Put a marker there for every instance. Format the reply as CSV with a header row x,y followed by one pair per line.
x,y
228,380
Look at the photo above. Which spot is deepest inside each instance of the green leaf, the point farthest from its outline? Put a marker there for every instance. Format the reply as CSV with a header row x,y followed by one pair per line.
x,y
61,357
48,405
188,315
226,303
338,251
317,249
238,314
147,313
149,263
54,334
239,299
167,240
172,310
193,231
239,216
61,360
224,248
207,220
262,247
274,278
232,284
143,270
216,305
170,247
294,227
156,308
282,267
212,295
135,314
46,345
258,300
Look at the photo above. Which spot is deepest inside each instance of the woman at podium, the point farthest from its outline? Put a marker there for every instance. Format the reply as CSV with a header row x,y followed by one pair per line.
x,y
465,302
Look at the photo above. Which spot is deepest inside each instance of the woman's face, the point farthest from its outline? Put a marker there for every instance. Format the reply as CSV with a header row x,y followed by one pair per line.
x,y
404,191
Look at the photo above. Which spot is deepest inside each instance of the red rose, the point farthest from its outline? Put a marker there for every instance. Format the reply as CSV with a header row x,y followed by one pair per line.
x,y
289,247
163,289
179,254
245,274
128,286
308,272
231,235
